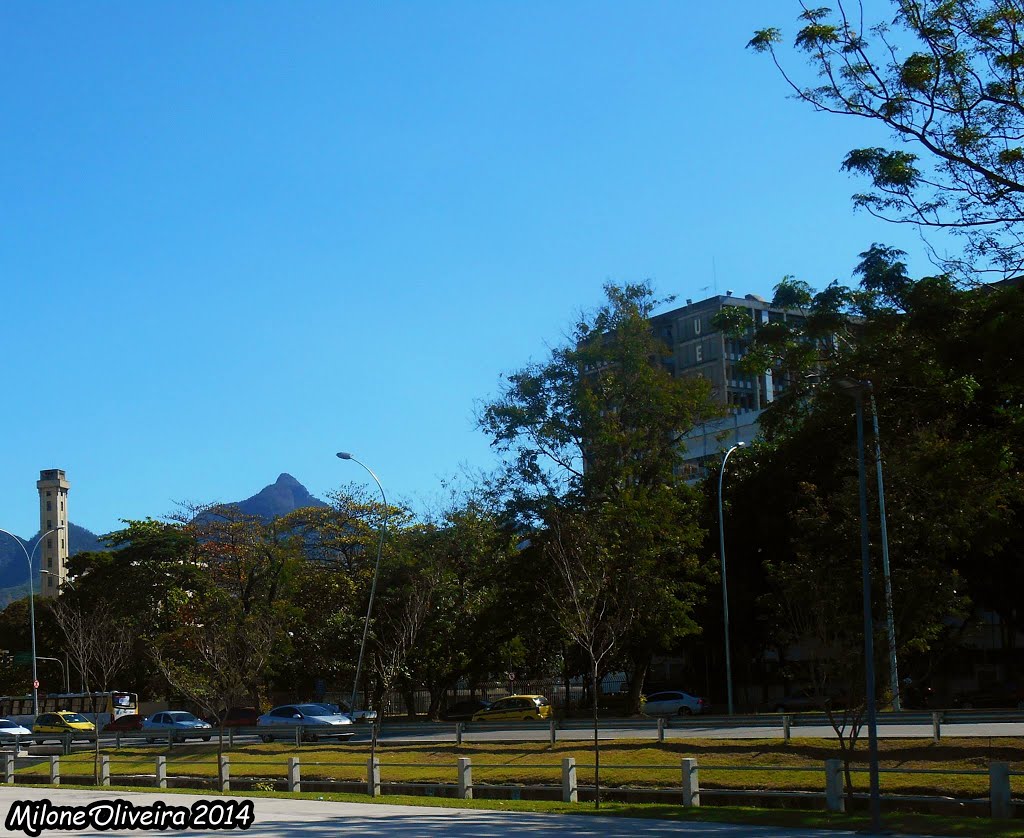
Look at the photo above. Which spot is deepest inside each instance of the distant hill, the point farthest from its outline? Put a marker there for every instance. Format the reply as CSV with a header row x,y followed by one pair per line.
x,y
14,569
284,496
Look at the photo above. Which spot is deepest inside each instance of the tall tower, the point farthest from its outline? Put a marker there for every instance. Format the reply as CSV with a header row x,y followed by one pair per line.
x,y
53,513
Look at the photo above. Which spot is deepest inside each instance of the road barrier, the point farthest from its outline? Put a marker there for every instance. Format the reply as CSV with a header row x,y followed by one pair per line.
x,y
999,801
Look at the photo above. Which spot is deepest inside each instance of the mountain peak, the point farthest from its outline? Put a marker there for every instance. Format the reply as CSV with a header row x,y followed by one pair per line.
x,y
285,495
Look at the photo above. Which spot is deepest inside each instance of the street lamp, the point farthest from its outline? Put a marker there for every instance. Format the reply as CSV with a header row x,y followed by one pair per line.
x,y
856,390
32,608
344,455
725,585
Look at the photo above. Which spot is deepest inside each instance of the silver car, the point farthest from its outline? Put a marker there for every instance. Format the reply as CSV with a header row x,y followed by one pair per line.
x,y
176,724
673,703
315,720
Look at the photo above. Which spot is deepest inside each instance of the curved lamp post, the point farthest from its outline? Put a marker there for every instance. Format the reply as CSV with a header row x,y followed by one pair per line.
x,y
725,585
344,455
856,390
32,608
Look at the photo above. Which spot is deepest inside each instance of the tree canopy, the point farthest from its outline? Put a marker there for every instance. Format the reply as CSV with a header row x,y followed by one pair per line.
x,y
945,77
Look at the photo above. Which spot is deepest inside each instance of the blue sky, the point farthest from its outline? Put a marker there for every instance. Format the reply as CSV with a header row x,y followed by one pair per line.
x,y
236,238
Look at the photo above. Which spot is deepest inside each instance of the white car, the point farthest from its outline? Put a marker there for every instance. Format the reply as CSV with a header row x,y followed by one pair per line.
x,y
315,720
673,703
10,731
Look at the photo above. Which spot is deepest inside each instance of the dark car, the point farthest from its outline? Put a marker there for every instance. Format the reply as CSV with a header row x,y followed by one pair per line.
x,y
123,724
1008,696
236,717
462,711
804,701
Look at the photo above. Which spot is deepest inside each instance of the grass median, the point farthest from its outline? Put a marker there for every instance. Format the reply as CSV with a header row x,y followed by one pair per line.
x,y
747,764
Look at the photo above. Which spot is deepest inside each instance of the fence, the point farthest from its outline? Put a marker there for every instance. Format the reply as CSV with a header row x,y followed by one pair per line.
x,y
999,800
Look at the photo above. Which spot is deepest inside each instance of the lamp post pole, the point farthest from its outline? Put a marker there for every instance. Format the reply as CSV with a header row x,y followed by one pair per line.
x,y
32,608
725,585
344,455
890,623
856,390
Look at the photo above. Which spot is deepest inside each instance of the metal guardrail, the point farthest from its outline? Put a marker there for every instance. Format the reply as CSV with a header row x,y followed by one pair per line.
x,y
999,798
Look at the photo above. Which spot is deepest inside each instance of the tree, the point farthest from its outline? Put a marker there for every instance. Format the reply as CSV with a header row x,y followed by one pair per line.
x,y
946,77
600,425
945,363
591,599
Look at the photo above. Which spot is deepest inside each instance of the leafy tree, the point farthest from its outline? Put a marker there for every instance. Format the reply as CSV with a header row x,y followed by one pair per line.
x,y
599,426
945,364
945,77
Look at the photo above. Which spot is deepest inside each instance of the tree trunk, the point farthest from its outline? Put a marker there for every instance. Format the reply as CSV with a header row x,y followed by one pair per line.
x,y
597,745
637,677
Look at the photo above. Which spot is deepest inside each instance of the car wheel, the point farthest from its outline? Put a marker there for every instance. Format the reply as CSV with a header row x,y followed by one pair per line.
x,y
528,719
312,737
150,740
266,737
1020,706
780,708
685,711
967,705
206,738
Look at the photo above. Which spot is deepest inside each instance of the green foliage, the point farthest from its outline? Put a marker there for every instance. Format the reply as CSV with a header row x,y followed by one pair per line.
x,y
955,99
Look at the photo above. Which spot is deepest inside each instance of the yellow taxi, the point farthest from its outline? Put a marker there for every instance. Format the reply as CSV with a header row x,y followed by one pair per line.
x,y
57,725
523,708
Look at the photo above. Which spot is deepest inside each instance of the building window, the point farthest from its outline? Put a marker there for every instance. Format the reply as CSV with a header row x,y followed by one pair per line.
x,y
49,543
49,581
49,562
49,505
62,544
47,493
49,524
62,505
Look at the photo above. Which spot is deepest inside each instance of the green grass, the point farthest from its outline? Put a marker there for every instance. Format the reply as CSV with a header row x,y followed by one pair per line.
x,y
899,823
625,763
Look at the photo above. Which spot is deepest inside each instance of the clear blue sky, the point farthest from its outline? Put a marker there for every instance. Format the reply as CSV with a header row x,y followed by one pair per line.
x,y
236,238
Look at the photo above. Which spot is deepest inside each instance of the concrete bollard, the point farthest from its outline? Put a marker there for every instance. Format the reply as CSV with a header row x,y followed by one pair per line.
x,y
298,736
465,779
104,770
117,740
458,733
936,727
231,738
834,799
999,790
553,725
691,783
54,770
787,721
224,772
8,768
294,774
161,772
661,728
373,777
570,792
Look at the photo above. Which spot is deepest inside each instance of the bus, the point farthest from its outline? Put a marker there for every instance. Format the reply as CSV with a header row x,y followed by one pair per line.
x,y
98,707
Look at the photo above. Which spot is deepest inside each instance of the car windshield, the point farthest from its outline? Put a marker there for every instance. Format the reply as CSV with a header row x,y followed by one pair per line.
x,y
314,710
181,716
74,718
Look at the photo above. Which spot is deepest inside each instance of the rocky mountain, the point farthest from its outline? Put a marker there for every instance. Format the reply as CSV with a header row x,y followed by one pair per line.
x,y
285,495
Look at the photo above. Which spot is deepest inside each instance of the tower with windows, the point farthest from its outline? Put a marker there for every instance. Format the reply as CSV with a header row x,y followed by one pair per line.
x,y
53,515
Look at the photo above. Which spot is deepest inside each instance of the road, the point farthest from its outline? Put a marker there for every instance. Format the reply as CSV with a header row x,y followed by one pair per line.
x,y
283,818
714,727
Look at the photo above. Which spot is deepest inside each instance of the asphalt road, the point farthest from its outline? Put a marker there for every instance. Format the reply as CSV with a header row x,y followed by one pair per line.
x,y
715,728
283,818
